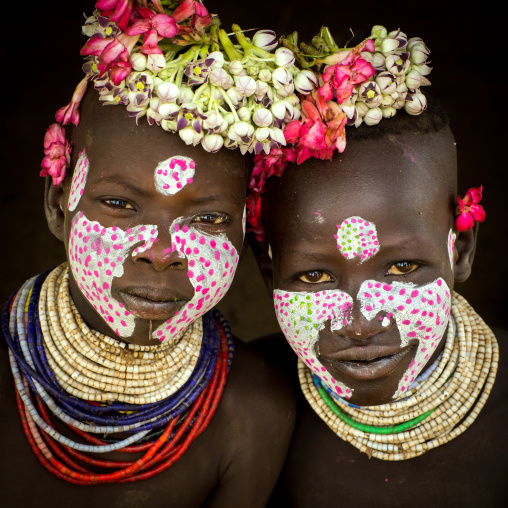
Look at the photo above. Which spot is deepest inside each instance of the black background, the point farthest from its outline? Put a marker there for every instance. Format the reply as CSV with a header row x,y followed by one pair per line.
x,y
41,66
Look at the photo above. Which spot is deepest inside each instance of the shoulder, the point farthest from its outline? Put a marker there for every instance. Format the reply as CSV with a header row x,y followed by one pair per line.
x,y
259,388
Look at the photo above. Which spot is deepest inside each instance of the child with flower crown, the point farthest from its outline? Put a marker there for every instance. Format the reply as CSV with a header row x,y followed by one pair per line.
x,y
403,386
120,368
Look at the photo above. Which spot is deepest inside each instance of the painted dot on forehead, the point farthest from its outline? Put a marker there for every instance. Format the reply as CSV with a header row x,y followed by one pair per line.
x,y
78,181
357,238
173,174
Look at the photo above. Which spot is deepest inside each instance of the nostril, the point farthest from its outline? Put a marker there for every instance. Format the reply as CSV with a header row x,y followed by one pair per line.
x,y
143,260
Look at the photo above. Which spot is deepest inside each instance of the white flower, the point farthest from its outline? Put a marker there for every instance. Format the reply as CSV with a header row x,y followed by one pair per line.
x,y
155,62
168,109
284,57
262,117
213,120
370,94
413,79
186,94
388,112
190,136
234,96
304,81
373,116
261,89
167,91
423,69
245,85
265,75
265,39
277,135
417,103
219,77
138,61
230,118
169,125
418,50
388,100
398,64
379,31
361,109
244,114
235,67
283,81
218,58
387,82
212,143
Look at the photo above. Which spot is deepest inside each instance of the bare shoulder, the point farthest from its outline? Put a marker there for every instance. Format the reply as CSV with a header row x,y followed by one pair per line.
x,y
255,422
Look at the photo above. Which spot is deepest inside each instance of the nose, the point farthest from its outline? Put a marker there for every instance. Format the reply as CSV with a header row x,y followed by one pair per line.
x,y
356,326
160,252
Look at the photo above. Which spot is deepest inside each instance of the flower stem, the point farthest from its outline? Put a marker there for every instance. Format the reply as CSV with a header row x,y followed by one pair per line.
x,y
228,45
229,103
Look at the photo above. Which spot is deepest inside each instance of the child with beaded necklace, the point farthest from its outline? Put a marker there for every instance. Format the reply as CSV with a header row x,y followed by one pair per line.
x,y
396,370
122,369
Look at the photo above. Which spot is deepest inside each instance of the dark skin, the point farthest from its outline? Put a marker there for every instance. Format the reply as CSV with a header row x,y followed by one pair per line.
x,y
238,457
406,186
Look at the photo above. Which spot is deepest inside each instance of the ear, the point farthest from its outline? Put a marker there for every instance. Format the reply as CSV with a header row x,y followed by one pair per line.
x,y
465,246
264,262
54,204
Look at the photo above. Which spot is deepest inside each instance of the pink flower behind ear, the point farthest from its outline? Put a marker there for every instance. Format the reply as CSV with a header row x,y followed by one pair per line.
x,y
58,153
468,210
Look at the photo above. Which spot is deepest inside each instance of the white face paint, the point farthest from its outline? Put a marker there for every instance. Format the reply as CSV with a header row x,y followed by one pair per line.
x,y
78,181
357,238
97,255
420,312
451,246
302,316
173,174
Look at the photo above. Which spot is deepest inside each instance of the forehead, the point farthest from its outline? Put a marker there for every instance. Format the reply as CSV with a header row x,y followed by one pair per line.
x,y
405,184
115,143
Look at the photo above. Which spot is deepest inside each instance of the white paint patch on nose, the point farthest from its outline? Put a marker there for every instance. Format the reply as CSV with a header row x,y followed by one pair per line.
x,y
357,238
173,174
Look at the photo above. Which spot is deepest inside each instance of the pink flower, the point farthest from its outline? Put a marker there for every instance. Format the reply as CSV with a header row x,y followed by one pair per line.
x,y
70,113
118,11
113,55
342,77
188,8
155,27
468,210
321,130
58,153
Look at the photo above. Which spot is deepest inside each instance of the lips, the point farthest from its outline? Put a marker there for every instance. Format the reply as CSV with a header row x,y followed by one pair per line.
x,y
366,363
151,303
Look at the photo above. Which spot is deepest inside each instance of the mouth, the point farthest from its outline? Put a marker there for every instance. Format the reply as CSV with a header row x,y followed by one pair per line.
x,y
151,303
367,363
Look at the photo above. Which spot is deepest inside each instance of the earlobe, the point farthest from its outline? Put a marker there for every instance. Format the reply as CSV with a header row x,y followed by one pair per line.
x,y
465,247
54,207
264,261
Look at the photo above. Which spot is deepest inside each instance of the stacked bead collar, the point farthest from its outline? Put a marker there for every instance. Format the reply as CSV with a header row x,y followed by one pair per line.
x,y
438,409
164,428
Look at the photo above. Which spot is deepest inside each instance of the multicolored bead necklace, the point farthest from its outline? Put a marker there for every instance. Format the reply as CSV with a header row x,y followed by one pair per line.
x,y
58,378
436,410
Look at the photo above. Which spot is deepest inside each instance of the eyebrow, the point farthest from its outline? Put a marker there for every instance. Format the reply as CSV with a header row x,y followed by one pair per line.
x,y
114,179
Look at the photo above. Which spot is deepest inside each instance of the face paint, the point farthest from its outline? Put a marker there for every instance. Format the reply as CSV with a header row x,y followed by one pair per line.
x,y
78,181
302,316
420,312
97,255
174,174
212,264
357,238
451,245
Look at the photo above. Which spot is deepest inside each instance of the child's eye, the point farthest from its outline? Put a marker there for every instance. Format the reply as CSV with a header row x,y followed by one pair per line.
x,y
211,218
315,277
119,203
402,268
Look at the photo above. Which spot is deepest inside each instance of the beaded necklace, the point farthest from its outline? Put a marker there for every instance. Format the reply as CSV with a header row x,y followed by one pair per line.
x,y
435,411
163,426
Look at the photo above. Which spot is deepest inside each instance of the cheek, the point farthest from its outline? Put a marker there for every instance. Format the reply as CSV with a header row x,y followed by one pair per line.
x,y
173,174
302,316
96,256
